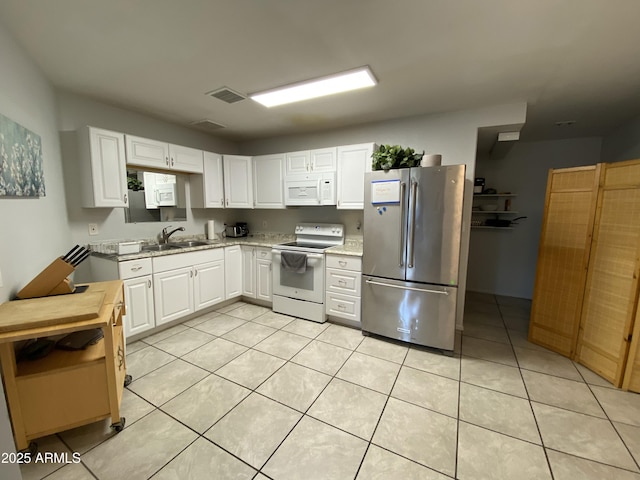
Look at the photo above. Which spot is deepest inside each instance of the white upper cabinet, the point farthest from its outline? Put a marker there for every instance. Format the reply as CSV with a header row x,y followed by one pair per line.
x,y
297,162
144,152
268,176
207,190
238,181
102,167
353,162
185,159
323,160
311,161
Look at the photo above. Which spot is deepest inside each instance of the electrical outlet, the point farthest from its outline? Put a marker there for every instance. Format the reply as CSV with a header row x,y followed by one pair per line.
x,y
264,224
93,229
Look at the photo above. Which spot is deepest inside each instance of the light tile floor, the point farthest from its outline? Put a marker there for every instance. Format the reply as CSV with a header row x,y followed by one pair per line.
x,y
247,393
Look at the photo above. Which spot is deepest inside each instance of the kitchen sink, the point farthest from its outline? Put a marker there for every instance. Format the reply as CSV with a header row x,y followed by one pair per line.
x,y
190,243
159,248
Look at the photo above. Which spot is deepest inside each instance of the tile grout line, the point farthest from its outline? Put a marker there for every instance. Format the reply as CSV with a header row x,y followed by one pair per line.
x,y
533,414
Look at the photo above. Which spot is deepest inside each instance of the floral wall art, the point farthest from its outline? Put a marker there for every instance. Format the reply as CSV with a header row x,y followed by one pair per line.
x,y
20,161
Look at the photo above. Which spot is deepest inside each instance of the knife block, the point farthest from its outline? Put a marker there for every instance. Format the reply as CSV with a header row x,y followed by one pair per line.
x,y
51,281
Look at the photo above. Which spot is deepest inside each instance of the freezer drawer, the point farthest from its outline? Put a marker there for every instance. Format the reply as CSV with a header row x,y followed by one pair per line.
x,y
412,312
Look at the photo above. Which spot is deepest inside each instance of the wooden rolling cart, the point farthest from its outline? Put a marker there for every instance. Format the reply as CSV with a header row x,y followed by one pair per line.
x,y
66,389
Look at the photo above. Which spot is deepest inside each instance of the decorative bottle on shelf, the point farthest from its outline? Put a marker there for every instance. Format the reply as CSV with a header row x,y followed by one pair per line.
x,y
507,205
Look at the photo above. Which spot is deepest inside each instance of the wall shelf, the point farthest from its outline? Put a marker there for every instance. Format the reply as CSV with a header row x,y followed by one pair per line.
x,y
487,195
487,212
485,227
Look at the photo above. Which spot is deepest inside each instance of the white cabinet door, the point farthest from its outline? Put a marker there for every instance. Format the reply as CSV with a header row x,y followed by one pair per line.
x,y
353,162
208,284
268,176
138,298
238,181
297,162
173,294
248,271
323,160
144,152
185,159
263,279
233,271
104,184
207,190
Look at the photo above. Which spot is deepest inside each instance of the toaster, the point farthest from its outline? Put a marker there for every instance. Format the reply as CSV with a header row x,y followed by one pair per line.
x,y
235,231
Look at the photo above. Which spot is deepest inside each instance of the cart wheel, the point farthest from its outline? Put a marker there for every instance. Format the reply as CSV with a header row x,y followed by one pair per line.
x,y
32,449
127,380
119,426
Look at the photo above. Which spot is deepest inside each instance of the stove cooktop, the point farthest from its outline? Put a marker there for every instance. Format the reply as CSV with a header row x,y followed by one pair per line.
x,y
305,245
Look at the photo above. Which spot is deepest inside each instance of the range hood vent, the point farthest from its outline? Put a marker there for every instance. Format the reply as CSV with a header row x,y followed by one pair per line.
x,y
226,95
207,125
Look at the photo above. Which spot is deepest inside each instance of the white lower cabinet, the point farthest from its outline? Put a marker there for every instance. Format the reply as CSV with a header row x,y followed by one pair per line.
x,y
208,284
138,290
233,271
343,287
138,298
187,282
173,293
264,284
256,273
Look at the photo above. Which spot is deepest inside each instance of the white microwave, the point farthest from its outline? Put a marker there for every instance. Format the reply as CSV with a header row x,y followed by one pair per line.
x,y
310,189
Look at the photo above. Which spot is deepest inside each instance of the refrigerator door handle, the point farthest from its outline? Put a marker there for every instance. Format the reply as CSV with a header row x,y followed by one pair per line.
x,y
440,292
403,190
412,229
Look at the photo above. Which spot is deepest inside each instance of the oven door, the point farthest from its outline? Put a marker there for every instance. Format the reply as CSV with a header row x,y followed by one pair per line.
x,y
301,286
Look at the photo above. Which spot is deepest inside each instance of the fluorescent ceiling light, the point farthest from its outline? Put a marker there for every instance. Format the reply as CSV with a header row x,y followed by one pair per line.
x,y
320,87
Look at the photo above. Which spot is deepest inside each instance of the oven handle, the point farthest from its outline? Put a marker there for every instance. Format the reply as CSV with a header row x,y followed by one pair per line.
x,y
309,255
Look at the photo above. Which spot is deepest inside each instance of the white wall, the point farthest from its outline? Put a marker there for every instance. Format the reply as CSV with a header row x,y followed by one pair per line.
x,y
33,230
504,261
454,135
622,144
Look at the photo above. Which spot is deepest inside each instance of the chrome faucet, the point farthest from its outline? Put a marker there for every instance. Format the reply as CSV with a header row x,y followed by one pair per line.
x,y
166,235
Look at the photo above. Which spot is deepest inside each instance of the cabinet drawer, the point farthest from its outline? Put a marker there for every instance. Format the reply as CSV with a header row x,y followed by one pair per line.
x,y
344,262
343,306
343,281
134,268
263,253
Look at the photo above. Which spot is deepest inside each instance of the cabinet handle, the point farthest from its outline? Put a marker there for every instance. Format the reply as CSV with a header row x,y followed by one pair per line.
x,y
341,306
227,202
342,263
149,283
125,198
196,273
222,202
270,266
166,159
191,273
136,268
172,161
342,282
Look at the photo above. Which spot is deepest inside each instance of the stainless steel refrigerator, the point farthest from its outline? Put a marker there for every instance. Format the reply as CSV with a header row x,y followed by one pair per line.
x,y
412,229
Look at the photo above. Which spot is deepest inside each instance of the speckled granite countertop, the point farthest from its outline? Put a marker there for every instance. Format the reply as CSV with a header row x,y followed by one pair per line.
x,y
352,246
257,240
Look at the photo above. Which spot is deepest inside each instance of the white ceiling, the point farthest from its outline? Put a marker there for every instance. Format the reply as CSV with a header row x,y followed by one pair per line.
x,y
568,59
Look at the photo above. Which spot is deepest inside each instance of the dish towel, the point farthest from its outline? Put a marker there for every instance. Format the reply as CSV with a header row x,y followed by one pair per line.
x,y
294,262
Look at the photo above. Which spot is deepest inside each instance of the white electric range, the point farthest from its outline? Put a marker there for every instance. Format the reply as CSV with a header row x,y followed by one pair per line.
x,y
300,291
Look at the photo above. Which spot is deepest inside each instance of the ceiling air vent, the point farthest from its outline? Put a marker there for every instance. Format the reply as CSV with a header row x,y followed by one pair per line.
x,y
226,95
207,125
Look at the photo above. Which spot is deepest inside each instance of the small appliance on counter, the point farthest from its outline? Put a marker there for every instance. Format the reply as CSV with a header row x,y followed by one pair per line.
x,y
240,229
